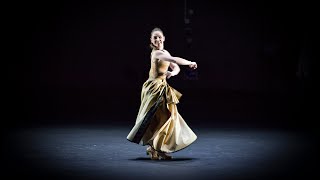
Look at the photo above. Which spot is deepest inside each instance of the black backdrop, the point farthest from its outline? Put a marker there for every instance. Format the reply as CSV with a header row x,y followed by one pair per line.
x,y
85,62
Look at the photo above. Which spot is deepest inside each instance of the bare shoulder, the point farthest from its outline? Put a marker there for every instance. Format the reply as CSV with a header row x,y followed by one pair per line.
x,y
165,51
161,52
157,52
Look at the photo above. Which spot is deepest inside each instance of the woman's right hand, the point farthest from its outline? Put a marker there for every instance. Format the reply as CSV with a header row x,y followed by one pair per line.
x,y
169,74
193,65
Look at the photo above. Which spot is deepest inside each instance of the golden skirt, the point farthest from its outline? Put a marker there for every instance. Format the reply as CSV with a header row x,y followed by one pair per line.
x,y
158,122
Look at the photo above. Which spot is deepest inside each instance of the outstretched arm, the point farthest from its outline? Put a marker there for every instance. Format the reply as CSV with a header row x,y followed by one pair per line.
x,y
167,57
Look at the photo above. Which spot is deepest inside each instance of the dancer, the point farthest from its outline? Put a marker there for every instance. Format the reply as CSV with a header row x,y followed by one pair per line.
x,y
159,124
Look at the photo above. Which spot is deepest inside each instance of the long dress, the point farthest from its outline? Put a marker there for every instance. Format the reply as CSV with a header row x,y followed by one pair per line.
x,y
158,122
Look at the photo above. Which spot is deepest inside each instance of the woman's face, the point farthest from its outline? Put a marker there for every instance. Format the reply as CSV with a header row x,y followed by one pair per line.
x,y
157,39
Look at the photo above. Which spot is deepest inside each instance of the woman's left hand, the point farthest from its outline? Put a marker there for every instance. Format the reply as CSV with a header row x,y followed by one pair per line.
x,y
193,65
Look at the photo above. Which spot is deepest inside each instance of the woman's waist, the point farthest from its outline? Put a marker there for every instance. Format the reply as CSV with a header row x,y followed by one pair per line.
x,y
161,78
158,75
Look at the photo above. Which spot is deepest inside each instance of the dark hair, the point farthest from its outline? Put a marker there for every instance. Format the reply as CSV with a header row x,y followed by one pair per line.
x,y
153,30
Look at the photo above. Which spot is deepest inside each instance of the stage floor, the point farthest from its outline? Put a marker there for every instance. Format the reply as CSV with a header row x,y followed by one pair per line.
x,y
102,152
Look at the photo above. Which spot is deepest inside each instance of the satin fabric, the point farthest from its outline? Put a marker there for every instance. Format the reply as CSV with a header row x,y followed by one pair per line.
x,y
158,122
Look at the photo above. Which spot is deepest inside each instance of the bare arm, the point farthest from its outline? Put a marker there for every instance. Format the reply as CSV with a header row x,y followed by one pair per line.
x,y
175,70
167,57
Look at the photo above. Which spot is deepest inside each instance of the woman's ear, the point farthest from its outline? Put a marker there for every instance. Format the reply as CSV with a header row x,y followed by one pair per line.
x,y
164,38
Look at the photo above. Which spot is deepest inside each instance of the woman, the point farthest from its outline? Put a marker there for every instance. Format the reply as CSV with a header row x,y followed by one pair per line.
x,y
158,123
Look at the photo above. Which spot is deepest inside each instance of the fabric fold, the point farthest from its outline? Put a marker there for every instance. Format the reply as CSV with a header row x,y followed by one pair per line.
x,y
158,122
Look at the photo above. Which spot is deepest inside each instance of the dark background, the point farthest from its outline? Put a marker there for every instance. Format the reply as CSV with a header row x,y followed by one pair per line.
x,y
85,62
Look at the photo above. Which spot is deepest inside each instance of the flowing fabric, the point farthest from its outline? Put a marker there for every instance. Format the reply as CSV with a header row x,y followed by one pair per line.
x,y
158,122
